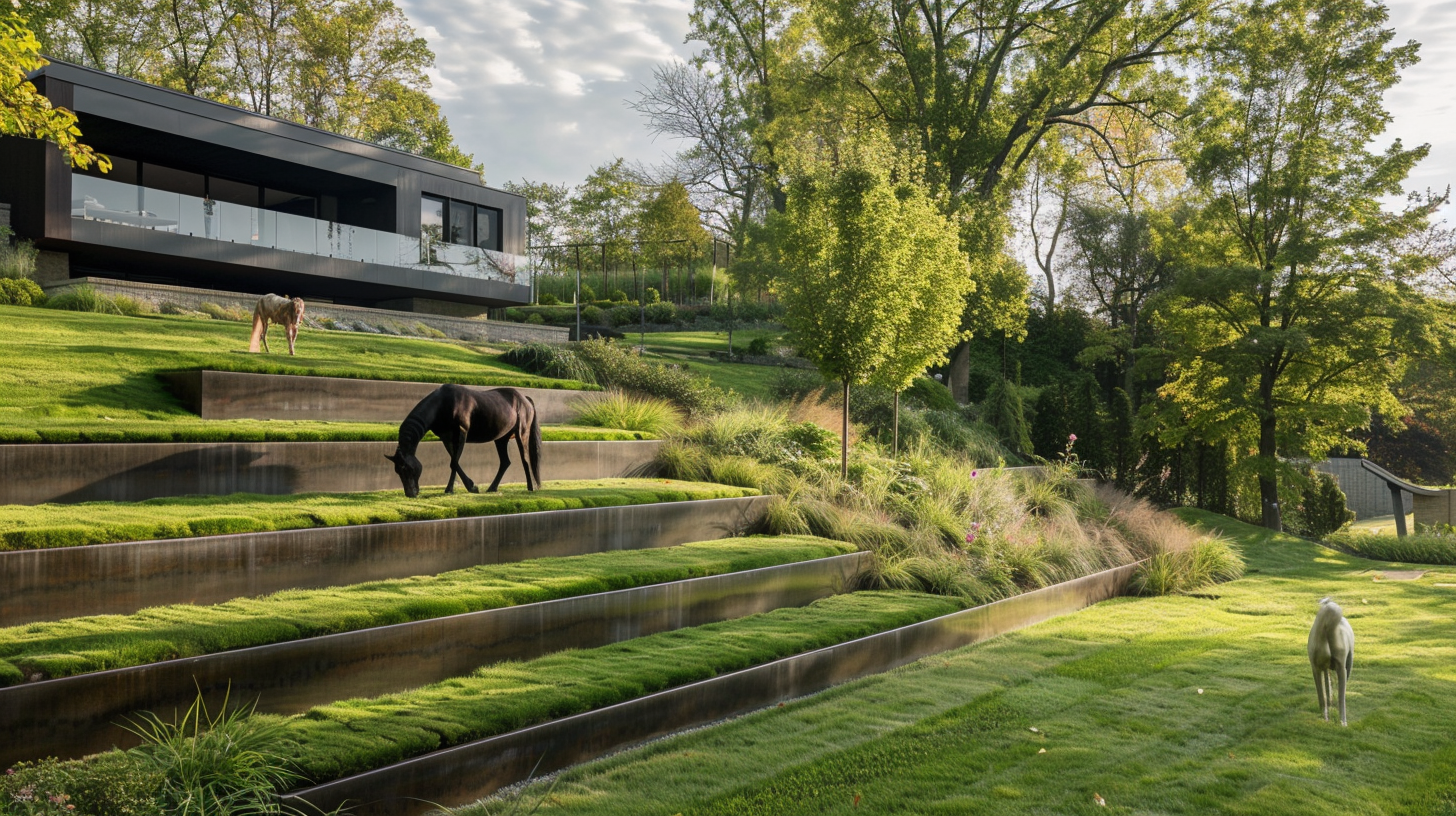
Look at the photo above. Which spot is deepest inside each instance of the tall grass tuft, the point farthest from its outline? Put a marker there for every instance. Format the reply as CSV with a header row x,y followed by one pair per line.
x,y
615,409
1208,561
223,763
1424,547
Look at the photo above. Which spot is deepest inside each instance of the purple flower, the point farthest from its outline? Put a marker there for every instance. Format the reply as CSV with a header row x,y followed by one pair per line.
x,y
974,473
970,538
975,525
1071,437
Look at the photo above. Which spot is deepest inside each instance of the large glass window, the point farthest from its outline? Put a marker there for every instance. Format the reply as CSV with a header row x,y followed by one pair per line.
x,y
432,219
291,203
171,180
232,192
462,224
487,228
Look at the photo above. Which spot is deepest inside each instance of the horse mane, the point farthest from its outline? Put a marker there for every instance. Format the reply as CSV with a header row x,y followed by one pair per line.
x,y
414,427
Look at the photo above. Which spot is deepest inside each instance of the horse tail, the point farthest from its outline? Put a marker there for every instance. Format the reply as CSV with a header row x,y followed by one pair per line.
x,y
260,326
533,448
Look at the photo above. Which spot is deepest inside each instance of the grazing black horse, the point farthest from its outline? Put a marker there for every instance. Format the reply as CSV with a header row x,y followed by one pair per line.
x,y
458,415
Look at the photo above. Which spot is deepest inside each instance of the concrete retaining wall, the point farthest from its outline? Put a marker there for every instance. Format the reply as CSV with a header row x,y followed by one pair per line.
x,y
122,578
347,318
466,772
1434,510
228,395
1365,493
75,716
69,473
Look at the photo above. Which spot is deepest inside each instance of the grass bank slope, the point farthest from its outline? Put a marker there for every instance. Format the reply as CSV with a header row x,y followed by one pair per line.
x,y
69,371
80,645
69,525
1113,695
690,350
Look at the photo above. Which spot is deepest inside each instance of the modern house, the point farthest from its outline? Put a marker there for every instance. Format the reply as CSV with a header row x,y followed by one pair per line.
x,y
202,194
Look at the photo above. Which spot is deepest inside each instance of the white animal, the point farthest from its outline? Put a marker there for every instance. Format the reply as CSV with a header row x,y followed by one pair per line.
x,y
1331,651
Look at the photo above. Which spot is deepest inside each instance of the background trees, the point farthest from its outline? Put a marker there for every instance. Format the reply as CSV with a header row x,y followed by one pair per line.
x,y
23,111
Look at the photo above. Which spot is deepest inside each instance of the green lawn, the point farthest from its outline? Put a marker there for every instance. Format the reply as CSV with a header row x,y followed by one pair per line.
x,y
690,350
188,428
78,645
69,525
355,735
66,372
1112,695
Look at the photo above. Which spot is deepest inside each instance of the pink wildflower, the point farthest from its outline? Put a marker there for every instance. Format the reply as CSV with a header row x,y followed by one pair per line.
x,y
1071,437
970,538
974,473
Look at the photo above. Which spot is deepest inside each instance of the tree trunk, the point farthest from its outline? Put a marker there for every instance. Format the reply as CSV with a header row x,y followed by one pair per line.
x,y
1269,452
844,436
960,373
897,426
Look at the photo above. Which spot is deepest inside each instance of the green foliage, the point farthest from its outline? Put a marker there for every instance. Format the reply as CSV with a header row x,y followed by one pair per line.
x,y
354,735
593,315
615,367
652,296
84,298
1050,426
52,525
663,314
1321,509
24,111
1172,572
614,409
758,346
217,312
113,783
1003,411
549,361
1122,439
1423,547
548,299
17,258
931,395
215,763
588,294
78,645
1087,419
617,296
21,292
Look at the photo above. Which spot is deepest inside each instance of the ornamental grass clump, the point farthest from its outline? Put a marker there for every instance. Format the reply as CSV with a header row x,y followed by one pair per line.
x,y
615,409
1427,546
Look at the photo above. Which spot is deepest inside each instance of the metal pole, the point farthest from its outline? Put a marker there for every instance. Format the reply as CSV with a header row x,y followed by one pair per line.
x,y
1397,502
604,272
578,293
713,280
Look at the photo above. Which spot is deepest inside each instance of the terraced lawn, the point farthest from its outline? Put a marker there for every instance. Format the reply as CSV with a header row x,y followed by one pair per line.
x,y
1176,705
79,645
355,735
69,373
69,525
690,350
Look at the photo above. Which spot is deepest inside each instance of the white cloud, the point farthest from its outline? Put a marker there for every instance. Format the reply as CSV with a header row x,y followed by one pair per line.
x,y
537,88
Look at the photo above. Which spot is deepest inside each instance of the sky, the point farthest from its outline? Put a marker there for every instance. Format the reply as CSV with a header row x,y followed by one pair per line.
x,y
538,88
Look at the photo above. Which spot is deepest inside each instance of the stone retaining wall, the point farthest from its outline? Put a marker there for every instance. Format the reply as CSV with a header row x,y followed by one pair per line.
x,y
1433,510
348,318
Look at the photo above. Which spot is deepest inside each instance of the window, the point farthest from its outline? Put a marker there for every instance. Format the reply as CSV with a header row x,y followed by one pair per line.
x,y
462,224
487,228
291,203
169,180
232,192
432,219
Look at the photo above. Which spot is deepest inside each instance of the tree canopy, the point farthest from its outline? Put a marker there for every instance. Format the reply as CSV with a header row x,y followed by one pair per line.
x,y
23,110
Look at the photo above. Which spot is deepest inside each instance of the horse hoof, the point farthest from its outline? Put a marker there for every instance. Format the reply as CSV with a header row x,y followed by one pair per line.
x,y
473,489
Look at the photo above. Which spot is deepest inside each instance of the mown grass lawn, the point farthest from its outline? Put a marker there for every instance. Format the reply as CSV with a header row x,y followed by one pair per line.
x,y
69,371
69,525
88,644
1113,695
690,350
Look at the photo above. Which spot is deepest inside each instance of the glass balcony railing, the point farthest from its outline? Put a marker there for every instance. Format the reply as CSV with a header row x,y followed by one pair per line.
x,y
99,199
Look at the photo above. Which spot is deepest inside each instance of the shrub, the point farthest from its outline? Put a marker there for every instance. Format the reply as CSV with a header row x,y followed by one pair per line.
x,y
217,312
1169,572
651,296
429,331
21,292
549,361
548,299
115,783
617,410
535,319
84,298
661,313
17,260
593,315
793,384
617,296
614,367
758,346
1321,509
587,294
623,316
1004,411
1425,547
168,307
931,395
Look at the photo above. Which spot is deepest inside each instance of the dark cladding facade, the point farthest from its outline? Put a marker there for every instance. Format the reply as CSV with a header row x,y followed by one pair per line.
x,y
205,194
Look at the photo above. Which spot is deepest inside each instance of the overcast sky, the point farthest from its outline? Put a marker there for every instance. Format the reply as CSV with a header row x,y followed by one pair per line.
x,y
536,88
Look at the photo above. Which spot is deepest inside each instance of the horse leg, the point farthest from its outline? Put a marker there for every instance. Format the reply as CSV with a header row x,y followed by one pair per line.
x,y
1341,676
1319,692
265,336
455,462
503,451
525,461
292,335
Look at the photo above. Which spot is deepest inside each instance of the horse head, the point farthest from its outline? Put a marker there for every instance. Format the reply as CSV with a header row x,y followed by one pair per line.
x,y
408,468
297,310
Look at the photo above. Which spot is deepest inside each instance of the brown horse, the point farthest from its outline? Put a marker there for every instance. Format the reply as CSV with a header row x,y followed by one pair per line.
x,y
458,415
274,309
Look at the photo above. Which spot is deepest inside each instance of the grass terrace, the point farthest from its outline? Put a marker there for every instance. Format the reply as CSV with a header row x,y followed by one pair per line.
x,y
1192,704
71,525
690,350
75,376
356,735
80,645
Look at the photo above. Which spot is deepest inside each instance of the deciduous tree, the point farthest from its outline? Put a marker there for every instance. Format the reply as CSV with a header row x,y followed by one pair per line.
x,y
23,110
